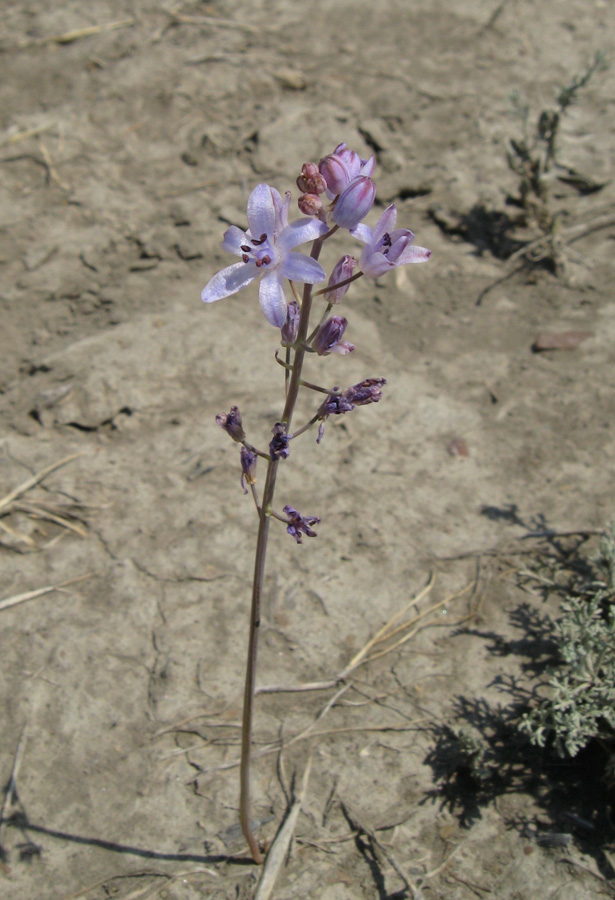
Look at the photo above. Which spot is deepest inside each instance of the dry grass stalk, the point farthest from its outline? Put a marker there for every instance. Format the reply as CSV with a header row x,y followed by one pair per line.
x,y
37,509
69,36
39,592
278,850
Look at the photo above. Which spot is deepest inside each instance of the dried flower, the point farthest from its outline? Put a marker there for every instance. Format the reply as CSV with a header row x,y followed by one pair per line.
x,y
299,524
265,250
278,446
385,248
368,391
248,467
231,423
329,337
291,326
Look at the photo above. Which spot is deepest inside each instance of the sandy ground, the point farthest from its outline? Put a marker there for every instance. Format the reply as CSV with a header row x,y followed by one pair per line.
x,y
124,154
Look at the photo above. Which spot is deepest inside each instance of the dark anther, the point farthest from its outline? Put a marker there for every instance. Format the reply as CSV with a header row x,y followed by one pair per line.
x,y
258,241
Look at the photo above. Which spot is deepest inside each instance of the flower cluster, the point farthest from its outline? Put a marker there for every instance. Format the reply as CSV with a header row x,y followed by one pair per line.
x,y
266,248
336,193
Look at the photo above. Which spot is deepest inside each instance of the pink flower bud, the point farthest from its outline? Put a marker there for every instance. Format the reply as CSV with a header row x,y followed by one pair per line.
x,y
309,204
354,202
343,269
311,181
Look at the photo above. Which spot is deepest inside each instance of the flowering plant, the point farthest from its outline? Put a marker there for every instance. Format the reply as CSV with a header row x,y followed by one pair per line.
x,y
337,193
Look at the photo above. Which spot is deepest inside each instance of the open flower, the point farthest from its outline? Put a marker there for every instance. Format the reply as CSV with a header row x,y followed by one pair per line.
x,y
265,251
386,248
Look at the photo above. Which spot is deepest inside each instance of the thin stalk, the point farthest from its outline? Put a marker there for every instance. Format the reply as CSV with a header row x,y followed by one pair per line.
x,y
259,571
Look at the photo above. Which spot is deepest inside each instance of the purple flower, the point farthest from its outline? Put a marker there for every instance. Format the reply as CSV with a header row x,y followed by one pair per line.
x,y
265,250
231,423
298,524
354,203
248,468
342,271
278,446
329,337
385,248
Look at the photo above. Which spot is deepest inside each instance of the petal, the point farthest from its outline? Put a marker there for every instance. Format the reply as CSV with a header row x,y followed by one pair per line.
x,y
272,300
368,167
363,233
413,255
298,267
233,239
300,232
261,211
386,222
228,281
374,264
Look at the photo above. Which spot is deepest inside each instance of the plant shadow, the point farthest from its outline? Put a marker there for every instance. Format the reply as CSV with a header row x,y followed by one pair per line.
x,y
482,754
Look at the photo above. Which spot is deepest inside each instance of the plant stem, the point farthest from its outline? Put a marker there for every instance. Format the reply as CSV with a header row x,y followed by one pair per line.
x,y
259,571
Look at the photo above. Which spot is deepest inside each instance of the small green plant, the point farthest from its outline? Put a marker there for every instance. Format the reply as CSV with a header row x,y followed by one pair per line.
x,y
534,158
581,702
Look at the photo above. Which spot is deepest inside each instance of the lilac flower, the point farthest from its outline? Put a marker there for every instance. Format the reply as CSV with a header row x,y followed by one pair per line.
x,y
343,270
385,248
278,446
231,423
329,337
299,524
248,468
265,250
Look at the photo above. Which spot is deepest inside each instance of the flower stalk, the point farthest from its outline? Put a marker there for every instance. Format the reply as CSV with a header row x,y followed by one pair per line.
x,y
267,254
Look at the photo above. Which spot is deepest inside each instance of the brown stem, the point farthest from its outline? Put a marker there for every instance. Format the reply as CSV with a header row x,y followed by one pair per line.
x,y
259,572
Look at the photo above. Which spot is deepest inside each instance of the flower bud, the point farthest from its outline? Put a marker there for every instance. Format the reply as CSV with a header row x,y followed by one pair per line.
x,y
329,337
311,181
291,326
231,423
354,202
335,173
248,468
343,269
309,204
